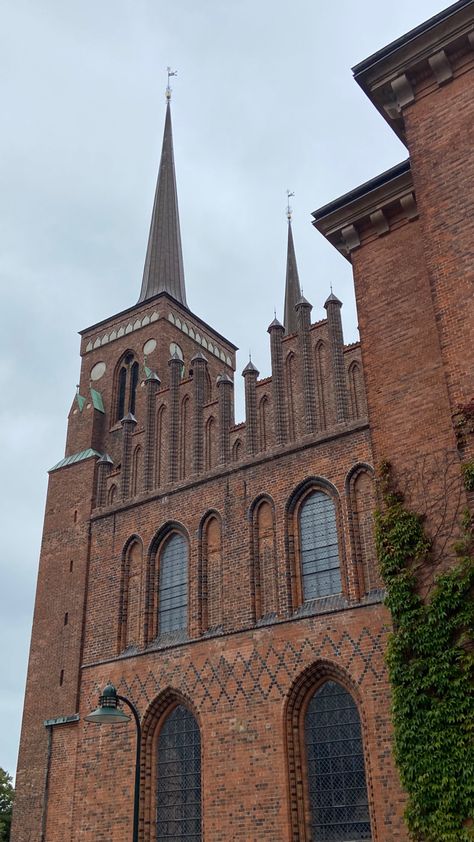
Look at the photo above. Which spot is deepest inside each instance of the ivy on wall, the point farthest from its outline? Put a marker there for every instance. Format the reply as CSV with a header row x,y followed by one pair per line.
x,y
430,660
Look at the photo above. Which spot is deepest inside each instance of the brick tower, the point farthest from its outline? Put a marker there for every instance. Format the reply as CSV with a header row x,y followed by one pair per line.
x,y
223,577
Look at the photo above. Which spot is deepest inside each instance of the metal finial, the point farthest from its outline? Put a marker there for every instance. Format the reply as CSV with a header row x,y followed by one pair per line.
x,y
275,312
168,88
250,356
289,211
330,286
77,388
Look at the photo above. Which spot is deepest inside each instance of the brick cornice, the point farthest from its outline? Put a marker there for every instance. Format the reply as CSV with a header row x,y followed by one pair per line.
x,y
425,58
369,211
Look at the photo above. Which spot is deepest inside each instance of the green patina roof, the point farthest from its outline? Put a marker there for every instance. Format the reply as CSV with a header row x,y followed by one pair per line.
x,y
76,457
80,401
97,401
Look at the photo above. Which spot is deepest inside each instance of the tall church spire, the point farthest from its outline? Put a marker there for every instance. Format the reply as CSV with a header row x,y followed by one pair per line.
x,y
292,285
164,270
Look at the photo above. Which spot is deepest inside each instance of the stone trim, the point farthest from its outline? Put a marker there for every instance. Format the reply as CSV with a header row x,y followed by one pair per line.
x,y
369,211
432,53
149,319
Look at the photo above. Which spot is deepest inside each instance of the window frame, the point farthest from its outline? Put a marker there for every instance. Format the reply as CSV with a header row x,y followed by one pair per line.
x,y
304,688
153,721
294,507
161,549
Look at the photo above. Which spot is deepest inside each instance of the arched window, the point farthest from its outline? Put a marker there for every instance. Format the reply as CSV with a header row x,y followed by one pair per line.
x,y
173,586
178,810
319,550
127,382
336,785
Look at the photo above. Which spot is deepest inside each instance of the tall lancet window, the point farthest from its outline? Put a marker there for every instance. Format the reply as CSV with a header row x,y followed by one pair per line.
x,y
127,382
173,588
319,548
178,811
337,790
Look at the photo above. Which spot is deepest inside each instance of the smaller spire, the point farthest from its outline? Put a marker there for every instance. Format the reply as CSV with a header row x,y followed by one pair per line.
x,y
332,298
292,283
250,368
105,459
275,323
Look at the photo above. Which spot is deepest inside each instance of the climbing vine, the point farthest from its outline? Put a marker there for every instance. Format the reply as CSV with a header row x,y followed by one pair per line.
x,y
431,667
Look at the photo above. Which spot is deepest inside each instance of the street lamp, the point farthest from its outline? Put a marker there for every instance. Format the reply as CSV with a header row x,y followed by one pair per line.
x,y
109,711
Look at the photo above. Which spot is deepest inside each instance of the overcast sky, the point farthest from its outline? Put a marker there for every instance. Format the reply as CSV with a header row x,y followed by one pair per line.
x,y
264,101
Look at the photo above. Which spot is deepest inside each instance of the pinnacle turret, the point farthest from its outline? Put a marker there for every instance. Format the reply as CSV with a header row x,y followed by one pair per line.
x,y
164,270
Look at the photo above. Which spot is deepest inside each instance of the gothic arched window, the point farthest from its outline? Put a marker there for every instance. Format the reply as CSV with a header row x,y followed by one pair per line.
x,y
319,548
178,811
336,785
127,382
173,585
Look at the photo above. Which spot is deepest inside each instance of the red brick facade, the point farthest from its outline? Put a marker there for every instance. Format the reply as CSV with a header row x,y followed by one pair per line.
x,y
152,451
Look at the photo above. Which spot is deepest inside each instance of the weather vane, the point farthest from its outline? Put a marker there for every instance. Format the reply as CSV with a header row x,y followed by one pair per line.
x,y
288,206
168,88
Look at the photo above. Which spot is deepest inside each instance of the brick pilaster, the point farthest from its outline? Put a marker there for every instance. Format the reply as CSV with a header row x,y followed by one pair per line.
x,y
276,331
250,374
175,364
104,466
336,341
199,363
225,390
128,426
303,312
152,385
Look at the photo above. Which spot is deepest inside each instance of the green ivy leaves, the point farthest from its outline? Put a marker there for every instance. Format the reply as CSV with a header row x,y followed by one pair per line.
x,y
430,659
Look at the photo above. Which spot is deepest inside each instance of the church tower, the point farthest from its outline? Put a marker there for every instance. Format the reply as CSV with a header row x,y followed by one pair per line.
x,y
221,576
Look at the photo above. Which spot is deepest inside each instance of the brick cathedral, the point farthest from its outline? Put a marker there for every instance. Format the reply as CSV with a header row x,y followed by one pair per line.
x,y
223,576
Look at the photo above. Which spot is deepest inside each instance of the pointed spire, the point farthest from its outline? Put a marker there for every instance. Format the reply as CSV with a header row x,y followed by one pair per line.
x,y
292,285
164,270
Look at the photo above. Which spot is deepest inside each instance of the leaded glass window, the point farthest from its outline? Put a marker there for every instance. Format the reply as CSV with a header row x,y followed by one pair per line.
x,y
335,761
319,547
178,813
173,593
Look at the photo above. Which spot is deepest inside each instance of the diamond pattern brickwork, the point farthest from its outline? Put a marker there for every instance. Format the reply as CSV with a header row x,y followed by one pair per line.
x,y
264,670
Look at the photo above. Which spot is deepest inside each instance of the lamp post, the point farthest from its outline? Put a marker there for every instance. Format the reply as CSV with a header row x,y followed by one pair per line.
x,y
109,711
